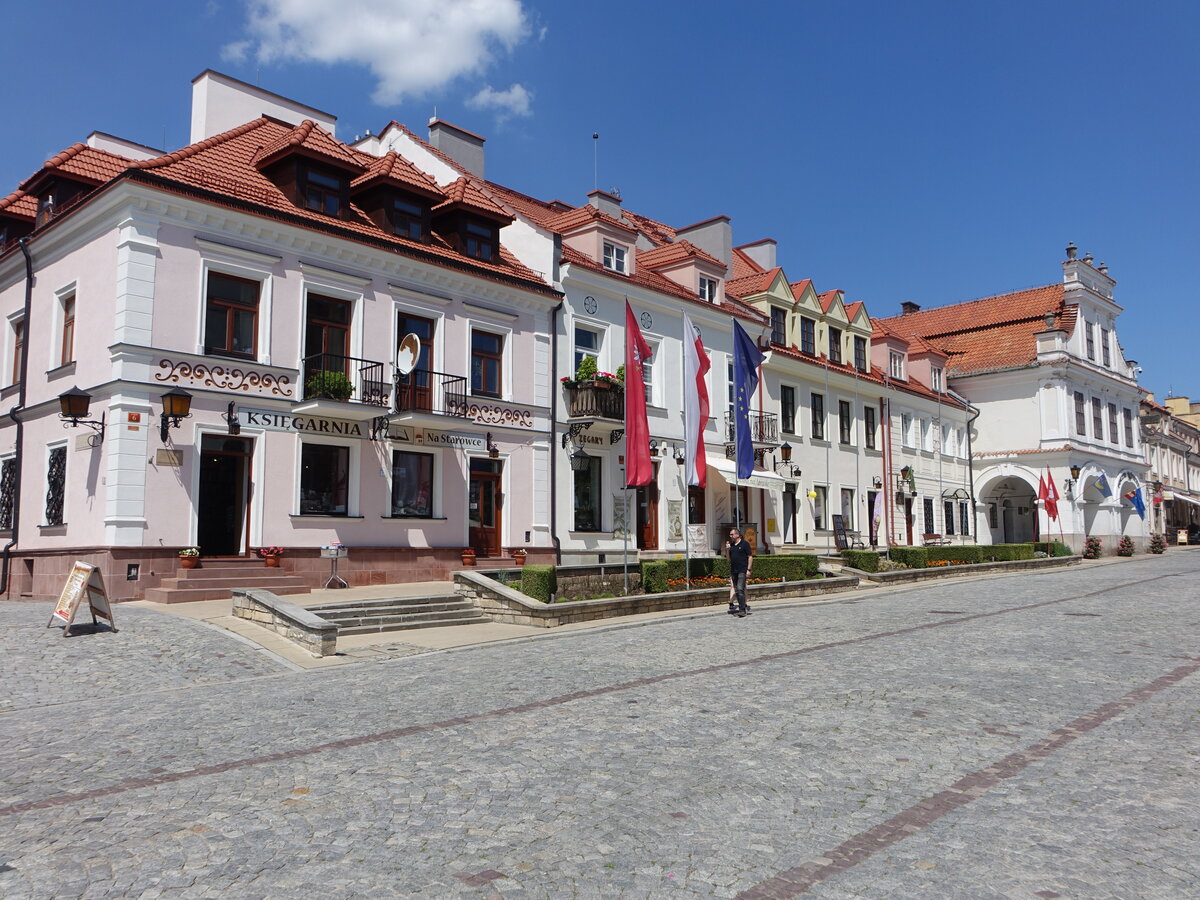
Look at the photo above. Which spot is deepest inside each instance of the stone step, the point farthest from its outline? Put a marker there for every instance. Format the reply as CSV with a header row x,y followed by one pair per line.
x,y
349,606
235,580
436,623
401,614
192,594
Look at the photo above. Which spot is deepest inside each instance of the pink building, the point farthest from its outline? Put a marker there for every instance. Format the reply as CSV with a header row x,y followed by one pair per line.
x,y
365,362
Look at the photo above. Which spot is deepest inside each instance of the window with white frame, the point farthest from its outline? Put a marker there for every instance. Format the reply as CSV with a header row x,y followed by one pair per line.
x,y
820,523
845,423
412,484
835,345
860,353
936,379
614,257
56,484
1089,333
848,509
869,427
947,440
908,433
964,518
17,342
324,480
66,343
1105,350
787,409
896,364
648,371
948,515
926,435
708,289
587,343
817,408
1128,416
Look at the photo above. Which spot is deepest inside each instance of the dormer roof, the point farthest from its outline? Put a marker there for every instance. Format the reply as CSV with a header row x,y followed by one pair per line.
x,y
672,254
581,216
19,205
311,140
79,162
394,169
463,195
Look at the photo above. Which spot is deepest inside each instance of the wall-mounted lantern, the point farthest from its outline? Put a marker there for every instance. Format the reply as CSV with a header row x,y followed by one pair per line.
x,y
492,449
177,406
73,409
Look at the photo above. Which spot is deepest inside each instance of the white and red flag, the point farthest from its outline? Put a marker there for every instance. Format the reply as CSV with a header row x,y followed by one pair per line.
x,y
638,468
695,402
1051,497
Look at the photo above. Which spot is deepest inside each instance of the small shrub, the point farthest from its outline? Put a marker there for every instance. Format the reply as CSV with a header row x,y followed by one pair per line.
x,y
863,560
911,557
587,368
792,566
1125,546
331,385
1158,544
1092,548
963,553
1008,552
654,576
539,582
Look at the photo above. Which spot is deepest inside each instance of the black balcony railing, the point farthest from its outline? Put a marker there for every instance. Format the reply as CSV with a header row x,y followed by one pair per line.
x,y
589,400
328,376
436,393
764,428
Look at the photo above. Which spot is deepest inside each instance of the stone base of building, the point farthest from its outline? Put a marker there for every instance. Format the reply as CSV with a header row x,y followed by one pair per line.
x,y
130,571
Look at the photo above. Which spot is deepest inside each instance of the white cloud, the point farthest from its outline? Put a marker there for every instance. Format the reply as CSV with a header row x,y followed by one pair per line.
x,y
513,102
411,46
235,52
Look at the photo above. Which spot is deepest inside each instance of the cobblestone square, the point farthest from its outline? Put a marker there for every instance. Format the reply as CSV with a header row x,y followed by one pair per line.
x,y
1030,735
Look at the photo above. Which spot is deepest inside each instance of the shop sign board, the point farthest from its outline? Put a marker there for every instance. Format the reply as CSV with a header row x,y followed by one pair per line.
x,y
271,420
455,439
85,581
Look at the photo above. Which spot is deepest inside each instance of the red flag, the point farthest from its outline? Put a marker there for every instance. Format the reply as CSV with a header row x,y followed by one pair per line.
x,y
1051,496
1042,494
638,468
695,402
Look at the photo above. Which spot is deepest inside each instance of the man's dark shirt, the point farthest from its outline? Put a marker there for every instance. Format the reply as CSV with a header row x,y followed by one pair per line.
x,y
739,557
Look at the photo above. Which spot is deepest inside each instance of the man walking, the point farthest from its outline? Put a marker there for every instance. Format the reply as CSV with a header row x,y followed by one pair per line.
x,y
741,561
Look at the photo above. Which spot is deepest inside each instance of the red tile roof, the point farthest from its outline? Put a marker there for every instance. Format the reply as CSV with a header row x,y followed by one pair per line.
x,y
585,215
81,162
19,205
852,309
799,287
668,254
463,194
312,140
826,299
536,211
988,334
752,284
743,265
394,169
656,232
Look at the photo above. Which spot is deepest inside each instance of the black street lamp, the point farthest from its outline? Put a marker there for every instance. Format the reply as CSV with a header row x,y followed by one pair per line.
x,y
177,406
74,405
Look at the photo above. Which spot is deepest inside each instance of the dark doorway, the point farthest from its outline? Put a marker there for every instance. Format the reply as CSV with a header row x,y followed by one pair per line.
x,y
908,519
224,497
485,502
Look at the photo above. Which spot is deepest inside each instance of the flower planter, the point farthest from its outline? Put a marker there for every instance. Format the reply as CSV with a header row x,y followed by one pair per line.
x,y
189,562
468,558
520,558
272,562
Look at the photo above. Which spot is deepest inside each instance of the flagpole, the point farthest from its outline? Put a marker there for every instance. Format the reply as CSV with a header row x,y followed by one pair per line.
x,y
625,534
737,451
687,476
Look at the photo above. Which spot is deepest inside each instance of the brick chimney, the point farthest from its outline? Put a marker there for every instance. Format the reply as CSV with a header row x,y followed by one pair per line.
x,y
609,204
908,307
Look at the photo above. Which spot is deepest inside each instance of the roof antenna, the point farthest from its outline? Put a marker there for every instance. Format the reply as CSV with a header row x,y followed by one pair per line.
x,y
595,161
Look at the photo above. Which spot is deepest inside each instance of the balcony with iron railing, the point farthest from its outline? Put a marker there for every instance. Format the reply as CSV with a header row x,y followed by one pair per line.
x,y
425,392
343,387
764,428
595,400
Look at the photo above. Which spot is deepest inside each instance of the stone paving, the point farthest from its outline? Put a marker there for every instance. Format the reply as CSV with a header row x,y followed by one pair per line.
x,y
1030,735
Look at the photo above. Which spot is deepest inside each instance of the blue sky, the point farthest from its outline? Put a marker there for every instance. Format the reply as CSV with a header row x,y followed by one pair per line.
x,y
926,151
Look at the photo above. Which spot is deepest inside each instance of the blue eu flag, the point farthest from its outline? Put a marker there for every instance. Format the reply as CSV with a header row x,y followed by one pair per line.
x,y
746,360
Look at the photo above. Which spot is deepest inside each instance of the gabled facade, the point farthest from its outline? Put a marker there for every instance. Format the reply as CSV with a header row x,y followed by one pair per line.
x,y
1055,393
1171,437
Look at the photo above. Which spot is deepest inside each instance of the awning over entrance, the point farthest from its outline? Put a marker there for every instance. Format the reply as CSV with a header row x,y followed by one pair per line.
x,y
1175,496
759,478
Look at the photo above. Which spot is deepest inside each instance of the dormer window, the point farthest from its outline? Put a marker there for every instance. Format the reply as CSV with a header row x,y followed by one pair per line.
x,y
860,354
835,345
408,219
808,336
896,364
778,325
614,257
936,380
323,191
480,241
708,289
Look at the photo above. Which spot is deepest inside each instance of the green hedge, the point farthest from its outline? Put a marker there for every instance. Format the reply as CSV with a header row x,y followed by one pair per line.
x,y
863,560
965,553
793,567
1008,552
913,557
1052,548
539,582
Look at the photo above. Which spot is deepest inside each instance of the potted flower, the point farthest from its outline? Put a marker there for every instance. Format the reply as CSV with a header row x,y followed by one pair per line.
x,y
189,557
329,385
587,369
1158,544
1091,548
270,555
519,555
468,556
1125,546
606,380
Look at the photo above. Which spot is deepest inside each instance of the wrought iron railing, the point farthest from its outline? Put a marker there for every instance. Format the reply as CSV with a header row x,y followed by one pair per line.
x,y
328,376
589,400
764,428
426,391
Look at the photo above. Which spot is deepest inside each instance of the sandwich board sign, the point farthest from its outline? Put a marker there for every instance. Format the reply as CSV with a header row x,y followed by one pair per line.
x,y
85,580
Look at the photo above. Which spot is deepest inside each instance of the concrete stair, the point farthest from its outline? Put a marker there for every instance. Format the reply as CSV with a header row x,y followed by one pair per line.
x,y
216,579
368,616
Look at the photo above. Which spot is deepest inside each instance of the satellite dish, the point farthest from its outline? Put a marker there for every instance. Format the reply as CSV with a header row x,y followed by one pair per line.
x,y
408,354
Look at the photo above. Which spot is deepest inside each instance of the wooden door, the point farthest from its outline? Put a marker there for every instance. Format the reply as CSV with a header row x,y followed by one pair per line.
x,y
908,519
484,504
647,514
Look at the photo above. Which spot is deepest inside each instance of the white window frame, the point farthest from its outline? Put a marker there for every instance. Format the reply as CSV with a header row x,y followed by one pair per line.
x,y
907,435
506,332
599,331
896,365
435,502
648,367
936,379
262,336
335,292
10,347
64,443
615,257
64,294
708,289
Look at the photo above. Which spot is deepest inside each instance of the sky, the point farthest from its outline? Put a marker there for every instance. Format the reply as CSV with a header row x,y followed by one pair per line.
x,y
927,151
